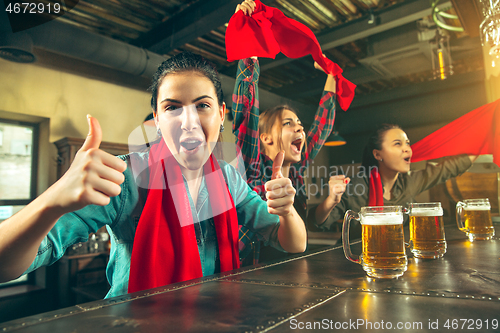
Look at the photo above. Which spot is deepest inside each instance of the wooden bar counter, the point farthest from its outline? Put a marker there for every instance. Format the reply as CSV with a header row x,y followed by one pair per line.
x,y
321,291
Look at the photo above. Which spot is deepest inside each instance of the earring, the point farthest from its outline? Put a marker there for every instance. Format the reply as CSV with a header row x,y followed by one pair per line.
x,y
221,128
158,131
380,160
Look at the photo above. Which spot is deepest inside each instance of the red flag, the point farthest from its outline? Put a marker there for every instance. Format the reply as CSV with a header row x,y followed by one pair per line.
x,y
475,133
268,31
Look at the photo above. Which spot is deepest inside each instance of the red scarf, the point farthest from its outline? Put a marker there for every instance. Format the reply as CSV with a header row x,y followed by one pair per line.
x,y
268,31
165,249
475,133
376,192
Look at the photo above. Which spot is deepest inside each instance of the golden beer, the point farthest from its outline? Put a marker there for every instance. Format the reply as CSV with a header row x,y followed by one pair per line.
x,y
474,218
383,248
383,253
478,222
427,238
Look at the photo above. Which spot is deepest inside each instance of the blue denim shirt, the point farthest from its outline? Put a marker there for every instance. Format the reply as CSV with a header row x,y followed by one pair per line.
x,y
122,214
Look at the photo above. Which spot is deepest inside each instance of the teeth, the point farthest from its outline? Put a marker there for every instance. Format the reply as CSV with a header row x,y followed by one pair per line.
x,y
190,144
296,148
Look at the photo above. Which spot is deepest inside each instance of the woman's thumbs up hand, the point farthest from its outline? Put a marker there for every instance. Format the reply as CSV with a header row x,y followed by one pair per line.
x,y
279,190
93,177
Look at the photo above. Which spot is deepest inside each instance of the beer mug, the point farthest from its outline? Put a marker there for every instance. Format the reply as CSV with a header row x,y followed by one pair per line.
x,y
474,218
383,251
427,230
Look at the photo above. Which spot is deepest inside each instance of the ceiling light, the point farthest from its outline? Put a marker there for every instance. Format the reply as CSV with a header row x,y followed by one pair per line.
x,y
335,140
441,55
489,30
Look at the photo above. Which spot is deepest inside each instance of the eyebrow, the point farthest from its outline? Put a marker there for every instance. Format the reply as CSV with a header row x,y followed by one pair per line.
x,y
179,102
298,120
201,97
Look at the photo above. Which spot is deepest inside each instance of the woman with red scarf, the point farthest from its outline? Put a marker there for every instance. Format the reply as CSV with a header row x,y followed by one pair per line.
x,y
261,135
172,212
384,179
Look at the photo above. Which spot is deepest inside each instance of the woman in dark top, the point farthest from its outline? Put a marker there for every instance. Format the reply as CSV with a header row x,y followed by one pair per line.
x,y
389,151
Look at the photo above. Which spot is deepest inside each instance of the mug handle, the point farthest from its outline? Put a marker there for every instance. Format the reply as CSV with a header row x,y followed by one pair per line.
x,y
407,211
460,222
349,215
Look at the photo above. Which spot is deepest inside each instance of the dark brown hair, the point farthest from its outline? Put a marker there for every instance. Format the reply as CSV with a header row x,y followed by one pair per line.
x,y
185,62
375,142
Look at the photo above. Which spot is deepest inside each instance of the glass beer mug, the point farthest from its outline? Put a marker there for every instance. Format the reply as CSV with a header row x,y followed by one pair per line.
x,y
474,218
427,238
383,251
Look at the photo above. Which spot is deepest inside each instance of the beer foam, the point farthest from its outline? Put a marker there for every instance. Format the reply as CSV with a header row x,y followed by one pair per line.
x,y
382,219
477,208
434,211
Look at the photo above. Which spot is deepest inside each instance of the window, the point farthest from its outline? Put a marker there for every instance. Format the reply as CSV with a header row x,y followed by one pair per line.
x,y
18,163
18,169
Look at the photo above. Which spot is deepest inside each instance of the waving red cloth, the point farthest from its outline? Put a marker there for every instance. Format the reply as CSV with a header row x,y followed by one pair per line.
x,y
475,133
165,249
376,192
268,31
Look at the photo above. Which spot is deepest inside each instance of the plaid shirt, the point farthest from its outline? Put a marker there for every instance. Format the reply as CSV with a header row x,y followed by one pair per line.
x,y
245,110
258,166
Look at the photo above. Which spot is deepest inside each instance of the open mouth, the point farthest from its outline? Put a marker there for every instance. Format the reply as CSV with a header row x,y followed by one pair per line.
x,y
407,159
297,145
191,144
